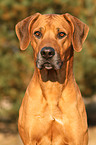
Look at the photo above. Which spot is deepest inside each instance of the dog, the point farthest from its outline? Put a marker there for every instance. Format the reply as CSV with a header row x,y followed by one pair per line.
x,y
52,110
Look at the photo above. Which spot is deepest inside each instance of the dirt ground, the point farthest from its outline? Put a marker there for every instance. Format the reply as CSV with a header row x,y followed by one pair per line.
x,y
14,139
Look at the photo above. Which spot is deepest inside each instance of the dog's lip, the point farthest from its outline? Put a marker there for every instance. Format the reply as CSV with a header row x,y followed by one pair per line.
x,y
47,65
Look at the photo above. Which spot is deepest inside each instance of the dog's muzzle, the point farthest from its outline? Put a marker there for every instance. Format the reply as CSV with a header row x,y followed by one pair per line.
x,y
48,58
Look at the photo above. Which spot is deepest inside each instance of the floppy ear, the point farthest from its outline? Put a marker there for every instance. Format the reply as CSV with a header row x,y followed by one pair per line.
x,y
23,29
79,31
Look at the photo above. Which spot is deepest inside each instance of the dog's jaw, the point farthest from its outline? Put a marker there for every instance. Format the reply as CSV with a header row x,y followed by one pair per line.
x,y
53,63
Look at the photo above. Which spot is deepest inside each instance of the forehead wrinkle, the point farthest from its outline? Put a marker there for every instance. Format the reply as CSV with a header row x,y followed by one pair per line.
x,y
41,22
47,19
50,18
55,21
59,23
51,21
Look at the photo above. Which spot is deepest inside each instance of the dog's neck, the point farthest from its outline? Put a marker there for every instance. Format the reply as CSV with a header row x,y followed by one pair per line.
x,y
51,85
51,80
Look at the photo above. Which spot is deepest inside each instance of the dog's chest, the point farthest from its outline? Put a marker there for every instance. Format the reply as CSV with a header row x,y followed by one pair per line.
x,y
48,126
50,121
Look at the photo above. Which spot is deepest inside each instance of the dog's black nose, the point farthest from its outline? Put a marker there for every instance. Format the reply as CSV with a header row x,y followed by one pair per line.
x,y
47,52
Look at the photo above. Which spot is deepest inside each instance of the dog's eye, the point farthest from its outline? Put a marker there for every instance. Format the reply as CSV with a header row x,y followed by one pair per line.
x,y
38,34
61,35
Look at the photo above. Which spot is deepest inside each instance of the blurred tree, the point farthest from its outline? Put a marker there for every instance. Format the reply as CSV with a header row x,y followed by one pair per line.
x,y
16,67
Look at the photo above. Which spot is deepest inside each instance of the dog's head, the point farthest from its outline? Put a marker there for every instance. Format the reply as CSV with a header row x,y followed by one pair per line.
x,y
51,36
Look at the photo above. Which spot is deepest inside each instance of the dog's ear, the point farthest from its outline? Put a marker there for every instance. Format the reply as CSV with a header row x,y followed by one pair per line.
x,y
79,31
23,29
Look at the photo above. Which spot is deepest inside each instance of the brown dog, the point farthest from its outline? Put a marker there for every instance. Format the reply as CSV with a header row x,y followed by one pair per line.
x,y
52,111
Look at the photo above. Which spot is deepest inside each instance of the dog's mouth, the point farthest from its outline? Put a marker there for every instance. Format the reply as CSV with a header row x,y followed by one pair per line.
x,y
51,64
49,59
47,65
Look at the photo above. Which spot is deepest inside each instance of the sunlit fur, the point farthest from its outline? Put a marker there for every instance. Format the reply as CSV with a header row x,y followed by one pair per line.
x,y
52,110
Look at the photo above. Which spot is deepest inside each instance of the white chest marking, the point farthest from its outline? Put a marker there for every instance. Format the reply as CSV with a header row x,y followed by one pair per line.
x,y
57,120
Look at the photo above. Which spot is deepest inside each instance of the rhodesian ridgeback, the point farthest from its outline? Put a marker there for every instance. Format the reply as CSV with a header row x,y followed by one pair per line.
x,y
52,110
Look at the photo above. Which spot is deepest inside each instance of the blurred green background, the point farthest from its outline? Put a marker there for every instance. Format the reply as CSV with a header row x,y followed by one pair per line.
x,y
16,67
